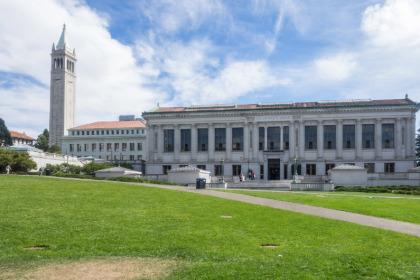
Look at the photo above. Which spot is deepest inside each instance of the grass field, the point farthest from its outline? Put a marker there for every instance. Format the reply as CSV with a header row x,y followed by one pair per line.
x,y
81,220
393,206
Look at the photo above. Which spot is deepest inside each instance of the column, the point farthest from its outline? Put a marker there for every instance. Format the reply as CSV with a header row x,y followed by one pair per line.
x,y
265,138
301,139
408,152
194,149
358,139
160,141
177,142
398,138
378,138
320,139
211,142
413,135
246,141
228,142
292,138
339,136
281,140
255,146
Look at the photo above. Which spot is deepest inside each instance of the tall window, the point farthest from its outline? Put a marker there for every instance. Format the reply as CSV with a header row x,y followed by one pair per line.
x,y
101,147
93,147
166,168
349,136
388,135
310,137
139,146
185,140
131,146
71,147
237,139
236,169
108,147
368,136
311,169
202,139
273,138
220,139
168,140
261,136
329,137
286,138
218,170
116,146
124,146
389,167
328,167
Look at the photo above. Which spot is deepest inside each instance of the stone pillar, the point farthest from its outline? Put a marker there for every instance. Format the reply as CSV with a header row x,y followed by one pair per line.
x,y
255,145
339,136
292,138
378,138
160,141
211,142
320,139
247,143
398,138
413,135
407,137
228,142
265,138
177,142
281,140
301,140
358,139
194,142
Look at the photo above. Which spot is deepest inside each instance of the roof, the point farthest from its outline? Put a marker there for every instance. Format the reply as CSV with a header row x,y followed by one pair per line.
x,y
20,135
348,167
111,125
296,105
62,41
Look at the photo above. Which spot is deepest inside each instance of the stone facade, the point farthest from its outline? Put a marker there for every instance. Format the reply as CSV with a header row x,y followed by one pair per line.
x,y
62,90
269,139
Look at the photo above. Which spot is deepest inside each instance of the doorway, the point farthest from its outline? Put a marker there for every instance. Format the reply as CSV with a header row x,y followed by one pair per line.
x,y
274,169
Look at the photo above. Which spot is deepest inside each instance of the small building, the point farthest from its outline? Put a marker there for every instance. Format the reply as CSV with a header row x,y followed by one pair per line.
x,y
349,175
114,172
21,138
187,175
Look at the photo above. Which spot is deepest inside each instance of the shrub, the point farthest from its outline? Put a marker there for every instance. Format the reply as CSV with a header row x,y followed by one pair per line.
x,y
91,167
18,161
385,189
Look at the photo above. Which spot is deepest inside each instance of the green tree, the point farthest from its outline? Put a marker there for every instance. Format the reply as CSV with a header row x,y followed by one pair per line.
x,y
5,138
418,147
18,161
42,141
54,149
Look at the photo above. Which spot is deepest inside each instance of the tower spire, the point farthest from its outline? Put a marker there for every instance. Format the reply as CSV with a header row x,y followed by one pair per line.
x,y
62,41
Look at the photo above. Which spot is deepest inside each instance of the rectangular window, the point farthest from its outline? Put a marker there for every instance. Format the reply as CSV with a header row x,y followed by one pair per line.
x,y
101,147
370,167
285,169
261,136
168,140
166,168
218,170
71,147
139,157
118,132
79,148
261,171
122,131
328,167
185,140
124,147
93,147
310,137
311,169
202,139
389,167
237,139
329,137
236,169
85,147
87,132
388,136
286,138
220,139
131,157
116,146
368,136
108,147
131,146
273,138
349,131
202,167
139,146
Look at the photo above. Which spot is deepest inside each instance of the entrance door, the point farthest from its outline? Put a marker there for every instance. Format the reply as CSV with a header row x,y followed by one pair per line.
x,y
274,169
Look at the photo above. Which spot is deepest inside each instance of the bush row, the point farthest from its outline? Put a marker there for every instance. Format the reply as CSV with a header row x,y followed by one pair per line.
x,y
386,189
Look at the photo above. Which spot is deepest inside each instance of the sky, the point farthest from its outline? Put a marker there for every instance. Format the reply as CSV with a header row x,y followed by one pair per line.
x,y
133,55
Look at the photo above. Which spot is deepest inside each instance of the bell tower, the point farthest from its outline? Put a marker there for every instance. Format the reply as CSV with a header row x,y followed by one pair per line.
x,y
62,89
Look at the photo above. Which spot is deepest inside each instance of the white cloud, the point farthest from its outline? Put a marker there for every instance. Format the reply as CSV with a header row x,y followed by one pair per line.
x,y
109,81
338,67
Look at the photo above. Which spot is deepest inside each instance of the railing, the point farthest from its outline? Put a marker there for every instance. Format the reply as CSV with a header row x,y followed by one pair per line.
x,y
312,186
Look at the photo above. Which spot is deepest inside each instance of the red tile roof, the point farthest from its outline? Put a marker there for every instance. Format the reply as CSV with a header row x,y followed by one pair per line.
x,y
296,105
20,135
111,125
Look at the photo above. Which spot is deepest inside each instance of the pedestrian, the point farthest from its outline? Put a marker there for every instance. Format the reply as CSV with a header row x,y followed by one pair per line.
x,y
8,168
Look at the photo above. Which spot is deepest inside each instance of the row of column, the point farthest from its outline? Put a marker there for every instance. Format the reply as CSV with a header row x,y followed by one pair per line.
x,y
403,138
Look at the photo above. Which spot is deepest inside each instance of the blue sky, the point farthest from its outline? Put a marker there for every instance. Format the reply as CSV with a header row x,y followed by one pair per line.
x,y
135,54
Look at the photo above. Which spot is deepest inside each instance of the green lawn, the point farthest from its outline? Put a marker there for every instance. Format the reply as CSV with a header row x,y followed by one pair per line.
x,y
84,219
392,206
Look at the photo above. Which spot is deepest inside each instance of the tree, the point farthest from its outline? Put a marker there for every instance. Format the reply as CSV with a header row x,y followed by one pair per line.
x,y
418,147
42,140
18,161
5,138
54,149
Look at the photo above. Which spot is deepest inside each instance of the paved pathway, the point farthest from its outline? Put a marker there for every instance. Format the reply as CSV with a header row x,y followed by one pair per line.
x,y
382,223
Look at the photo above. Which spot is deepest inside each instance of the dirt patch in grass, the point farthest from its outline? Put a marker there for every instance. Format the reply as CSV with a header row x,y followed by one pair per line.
x,y
269,246
100,269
